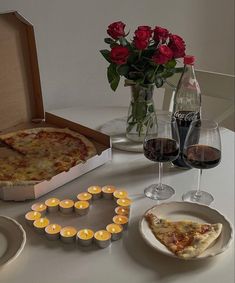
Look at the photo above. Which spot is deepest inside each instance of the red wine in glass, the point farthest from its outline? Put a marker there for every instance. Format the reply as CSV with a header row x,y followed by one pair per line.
x,y
161,145
202,156
161,149
202,150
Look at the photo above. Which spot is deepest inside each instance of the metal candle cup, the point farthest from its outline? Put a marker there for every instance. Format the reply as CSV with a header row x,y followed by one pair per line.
x,y
85,196
107,191
81,207
40,225
115,230
125,202
52,204
39,207
53,231
85,237
95,191
68,234
121,220
120,194
31,216
66,206
102,238
122,210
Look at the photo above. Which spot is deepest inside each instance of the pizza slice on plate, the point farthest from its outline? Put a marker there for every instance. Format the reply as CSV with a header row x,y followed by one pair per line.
x,y
186,239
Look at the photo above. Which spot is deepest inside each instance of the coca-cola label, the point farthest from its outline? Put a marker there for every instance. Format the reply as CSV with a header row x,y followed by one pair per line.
x,y
187,116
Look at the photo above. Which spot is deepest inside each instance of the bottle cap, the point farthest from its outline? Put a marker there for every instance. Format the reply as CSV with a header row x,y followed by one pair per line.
x,y
189,60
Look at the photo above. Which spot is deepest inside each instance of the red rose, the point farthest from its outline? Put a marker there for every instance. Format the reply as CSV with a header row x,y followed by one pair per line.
x,y
177,45
143,32
162,55
116,30
142,37
160,34
119,54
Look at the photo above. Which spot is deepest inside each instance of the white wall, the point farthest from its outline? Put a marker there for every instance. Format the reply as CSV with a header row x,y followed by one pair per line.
x,y
70,33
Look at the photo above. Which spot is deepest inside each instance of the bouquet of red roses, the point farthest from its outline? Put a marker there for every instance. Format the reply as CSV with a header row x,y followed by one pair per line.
x,y
149,58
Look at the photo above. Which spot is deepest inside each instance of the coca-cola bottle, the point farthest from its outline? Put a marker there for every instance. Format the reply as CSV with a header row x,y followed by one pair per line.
x,y
187,104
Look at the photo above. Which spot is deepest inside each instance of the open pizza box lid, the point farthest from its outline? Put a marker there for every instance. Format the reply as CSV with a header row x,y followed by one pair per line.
x,y
21,103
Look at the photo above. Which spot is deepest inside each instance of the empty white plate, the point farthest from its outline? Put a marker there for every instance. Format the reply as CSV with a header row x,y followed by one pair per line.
x,y
12,239
176,211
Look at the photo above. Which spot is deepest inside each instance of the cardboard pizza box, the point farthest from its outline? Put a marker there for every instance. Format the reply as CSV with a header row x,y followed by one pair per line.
x,y
21,105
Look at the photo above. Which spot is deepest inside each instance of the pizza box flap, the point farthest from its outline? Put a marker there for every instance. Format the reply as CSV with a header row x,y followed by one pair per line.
x,y
20,87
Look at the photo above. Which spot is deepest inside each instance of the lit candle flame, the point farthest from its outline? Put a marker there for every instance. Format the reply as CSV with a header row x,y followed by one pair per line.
x,y
66,202
53,226
53,201
35,213
113,230
85,194
41,205
68,233
41,220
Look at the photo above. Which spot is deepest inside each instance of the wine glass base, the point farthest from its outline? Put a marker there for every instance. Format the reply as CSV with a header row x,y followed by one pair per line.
x,y
203,197
158,192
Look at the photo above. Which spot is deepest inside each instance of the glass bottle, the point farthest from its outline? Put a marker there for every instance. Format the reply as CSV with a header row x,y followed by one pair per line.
x,y
187,104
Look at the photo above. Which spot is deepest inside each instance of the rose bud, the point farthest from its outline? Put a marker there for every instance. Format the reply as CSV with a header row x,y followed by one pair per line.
x,y
116,30
119,55
160,34
162,55
177,45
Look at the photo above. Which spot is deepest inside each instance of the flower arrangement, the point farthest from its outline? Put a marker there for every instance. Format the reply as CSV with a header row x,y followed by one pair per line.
x,y
149,58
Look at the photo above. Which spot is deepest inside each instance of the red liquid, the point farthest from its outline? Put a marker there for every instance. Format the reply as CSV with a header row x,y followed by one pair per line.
x,y
202,156
161,149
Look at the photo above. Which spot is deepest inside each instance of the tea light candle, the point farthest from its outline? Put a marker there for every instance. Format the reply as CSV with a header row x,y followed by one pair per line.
x,y
126,202
95,191
81,207
84,196
122,210
53,231
68,234
121,220
120,194
39,207
40,224
107,191
102,238
52,204
31,216
115,230
66,206
85,237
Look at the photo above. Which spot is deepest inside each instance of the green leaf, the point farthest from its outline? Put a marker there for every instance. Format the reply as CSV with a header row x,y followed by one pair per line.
x,y
123,41
150,76
109,40
113,77
171,64
179,70
123,70
106,53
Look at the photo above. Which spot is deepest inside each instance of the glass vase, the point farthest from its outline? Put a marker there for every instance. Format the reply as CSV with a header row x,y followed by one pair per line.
x,y
140,109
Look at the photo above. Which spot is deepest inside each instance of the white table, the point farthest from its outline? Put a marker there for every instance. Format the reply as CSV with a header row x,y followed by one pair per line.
x,y
130,259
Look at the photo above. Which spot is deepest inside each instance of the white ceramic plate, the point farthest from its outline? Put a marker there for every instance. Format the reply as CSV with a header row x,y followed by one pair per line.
x,y
12,239
188,211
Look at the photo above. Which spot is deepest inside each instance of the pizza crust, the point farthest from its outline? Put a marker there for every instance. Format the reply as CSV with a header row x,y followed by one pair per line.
x,y
174,234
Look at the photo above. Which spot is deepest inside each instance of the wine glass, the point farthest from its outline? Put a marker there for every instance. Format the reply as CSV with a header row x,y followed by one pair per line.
x,y
161,145
202,150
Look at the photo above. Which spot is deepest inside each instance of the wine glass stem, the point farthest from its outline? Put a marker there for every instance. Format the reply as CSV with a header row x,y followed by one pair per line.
x,y
198,192
160,175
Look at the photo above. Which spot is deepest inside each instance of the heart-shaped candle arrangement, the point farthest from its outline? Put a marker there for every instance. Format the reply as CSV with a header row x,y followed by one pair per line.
x,y
36,218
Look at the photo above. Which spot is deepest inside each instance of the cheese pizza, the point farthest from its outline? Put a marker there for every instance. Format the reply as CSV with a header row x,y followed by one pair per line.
x,y
186,239
41,153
